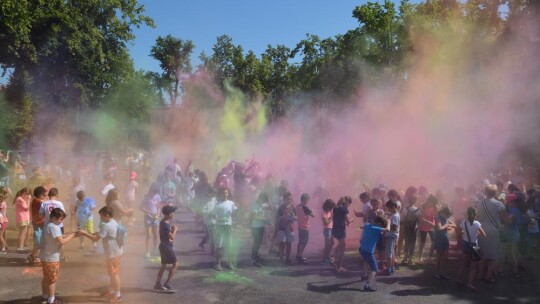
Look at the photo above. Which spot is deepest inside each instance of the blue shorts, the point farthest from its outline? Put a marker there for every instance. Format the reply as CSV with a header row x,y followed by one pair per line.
x,y
38,231
167,254
369,258
150,221
327,233
441,243
303,236
285,236
390,244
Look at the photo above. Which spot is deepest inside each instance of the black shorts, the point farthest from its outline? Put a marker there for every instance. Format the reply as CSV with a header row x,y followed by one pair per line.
x,y
167,254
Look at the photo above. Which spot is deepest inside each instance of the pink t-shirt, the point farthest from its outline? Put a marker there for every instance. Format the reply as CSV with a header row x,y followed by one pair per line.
x,y
3,210
302,217
428,213
22,214
327,216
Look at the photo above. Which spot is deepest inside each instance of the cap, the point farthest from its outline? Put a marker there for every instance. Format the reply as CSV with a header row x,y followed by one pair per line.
x,y
168,209
133,175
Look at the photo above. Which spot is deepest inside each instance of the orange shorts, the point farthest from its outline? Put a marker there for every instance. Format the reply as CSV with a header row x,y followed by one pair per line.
x,y
113,265
50,271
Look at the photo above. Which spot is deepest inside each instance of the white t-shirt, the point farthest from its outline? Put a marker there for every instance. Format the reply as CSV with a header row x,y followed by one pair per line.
x,y
222,212
50,251
107,232
473,230
131,190
48,206
394,220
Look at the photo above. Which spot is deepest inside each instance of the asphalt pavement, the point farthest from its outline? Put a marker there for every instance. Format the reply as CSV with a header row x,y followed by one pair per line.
x,y
83,277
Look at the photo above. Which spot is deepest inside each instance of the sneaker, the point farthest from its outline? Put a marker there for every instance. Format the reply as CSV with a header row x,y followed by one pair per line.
x,y
158,287
369,288
107,294
168,287
201,245
115,300
218,267
57,301
257,264
301,260
444,277
231,266
81,248
3,251
438,277
148,255
43,300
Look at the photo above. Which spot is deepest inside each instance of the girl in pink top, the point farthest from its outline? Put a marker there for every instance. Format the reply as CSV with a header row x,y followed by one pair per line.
x,y
22,216
328,207
426,223
3,220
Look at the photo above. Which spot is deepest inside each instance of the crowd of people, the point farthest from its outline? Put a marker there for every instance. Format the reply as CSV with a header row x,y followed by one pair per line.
x,y
493,223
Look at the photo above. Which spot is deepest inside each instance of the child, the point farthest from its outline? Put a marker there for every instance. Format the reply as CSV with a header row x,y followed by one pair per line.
x,y
303,214
372,234
366,209
108,232
426,224
22,216
167,232
83,210
37,223
328,208
3,220
222,214
410,224
259,219
150,207
377,210
285,235
340,222
471,229
391,236
53,240
443,224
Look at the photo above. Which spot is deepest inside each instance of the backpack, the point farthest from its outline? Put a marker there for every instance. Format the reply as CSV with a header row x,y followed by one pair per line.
x,y
411,217
121,235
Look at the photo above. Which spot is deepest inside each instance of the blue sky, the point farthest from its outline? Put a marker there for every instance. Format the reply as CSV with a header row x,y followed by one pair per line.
x,y
253,24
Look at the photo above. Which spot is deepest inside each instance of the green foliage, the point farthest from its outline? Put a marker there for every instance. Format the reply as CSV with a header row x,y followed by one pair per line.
x,y
173,55
16,119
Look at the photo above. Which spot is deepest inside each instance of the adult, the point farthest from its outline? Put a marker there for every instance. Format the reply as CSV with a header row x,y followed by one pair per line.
x,y
490,214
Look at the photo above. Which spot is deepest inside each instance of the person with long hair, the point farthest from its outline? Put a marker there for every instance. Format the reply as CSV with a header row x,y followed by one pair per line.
x,y
119,209
426,224
410,214
471,230
22,216
3,220
327,215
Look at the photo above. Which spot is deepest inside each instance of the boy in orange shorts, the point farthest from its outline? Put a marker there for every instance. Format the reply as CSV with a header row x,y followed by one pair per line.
x,y
53,240
108,232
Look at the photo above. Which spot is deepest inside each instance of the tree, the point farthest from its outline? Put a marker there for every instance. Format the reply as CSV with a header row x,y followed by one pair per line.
x,y
173,55
72,51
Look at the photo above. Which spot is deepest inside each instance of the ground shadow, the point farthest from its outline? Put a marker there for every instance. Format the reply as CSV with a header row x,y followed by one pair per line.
x,y
319,287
